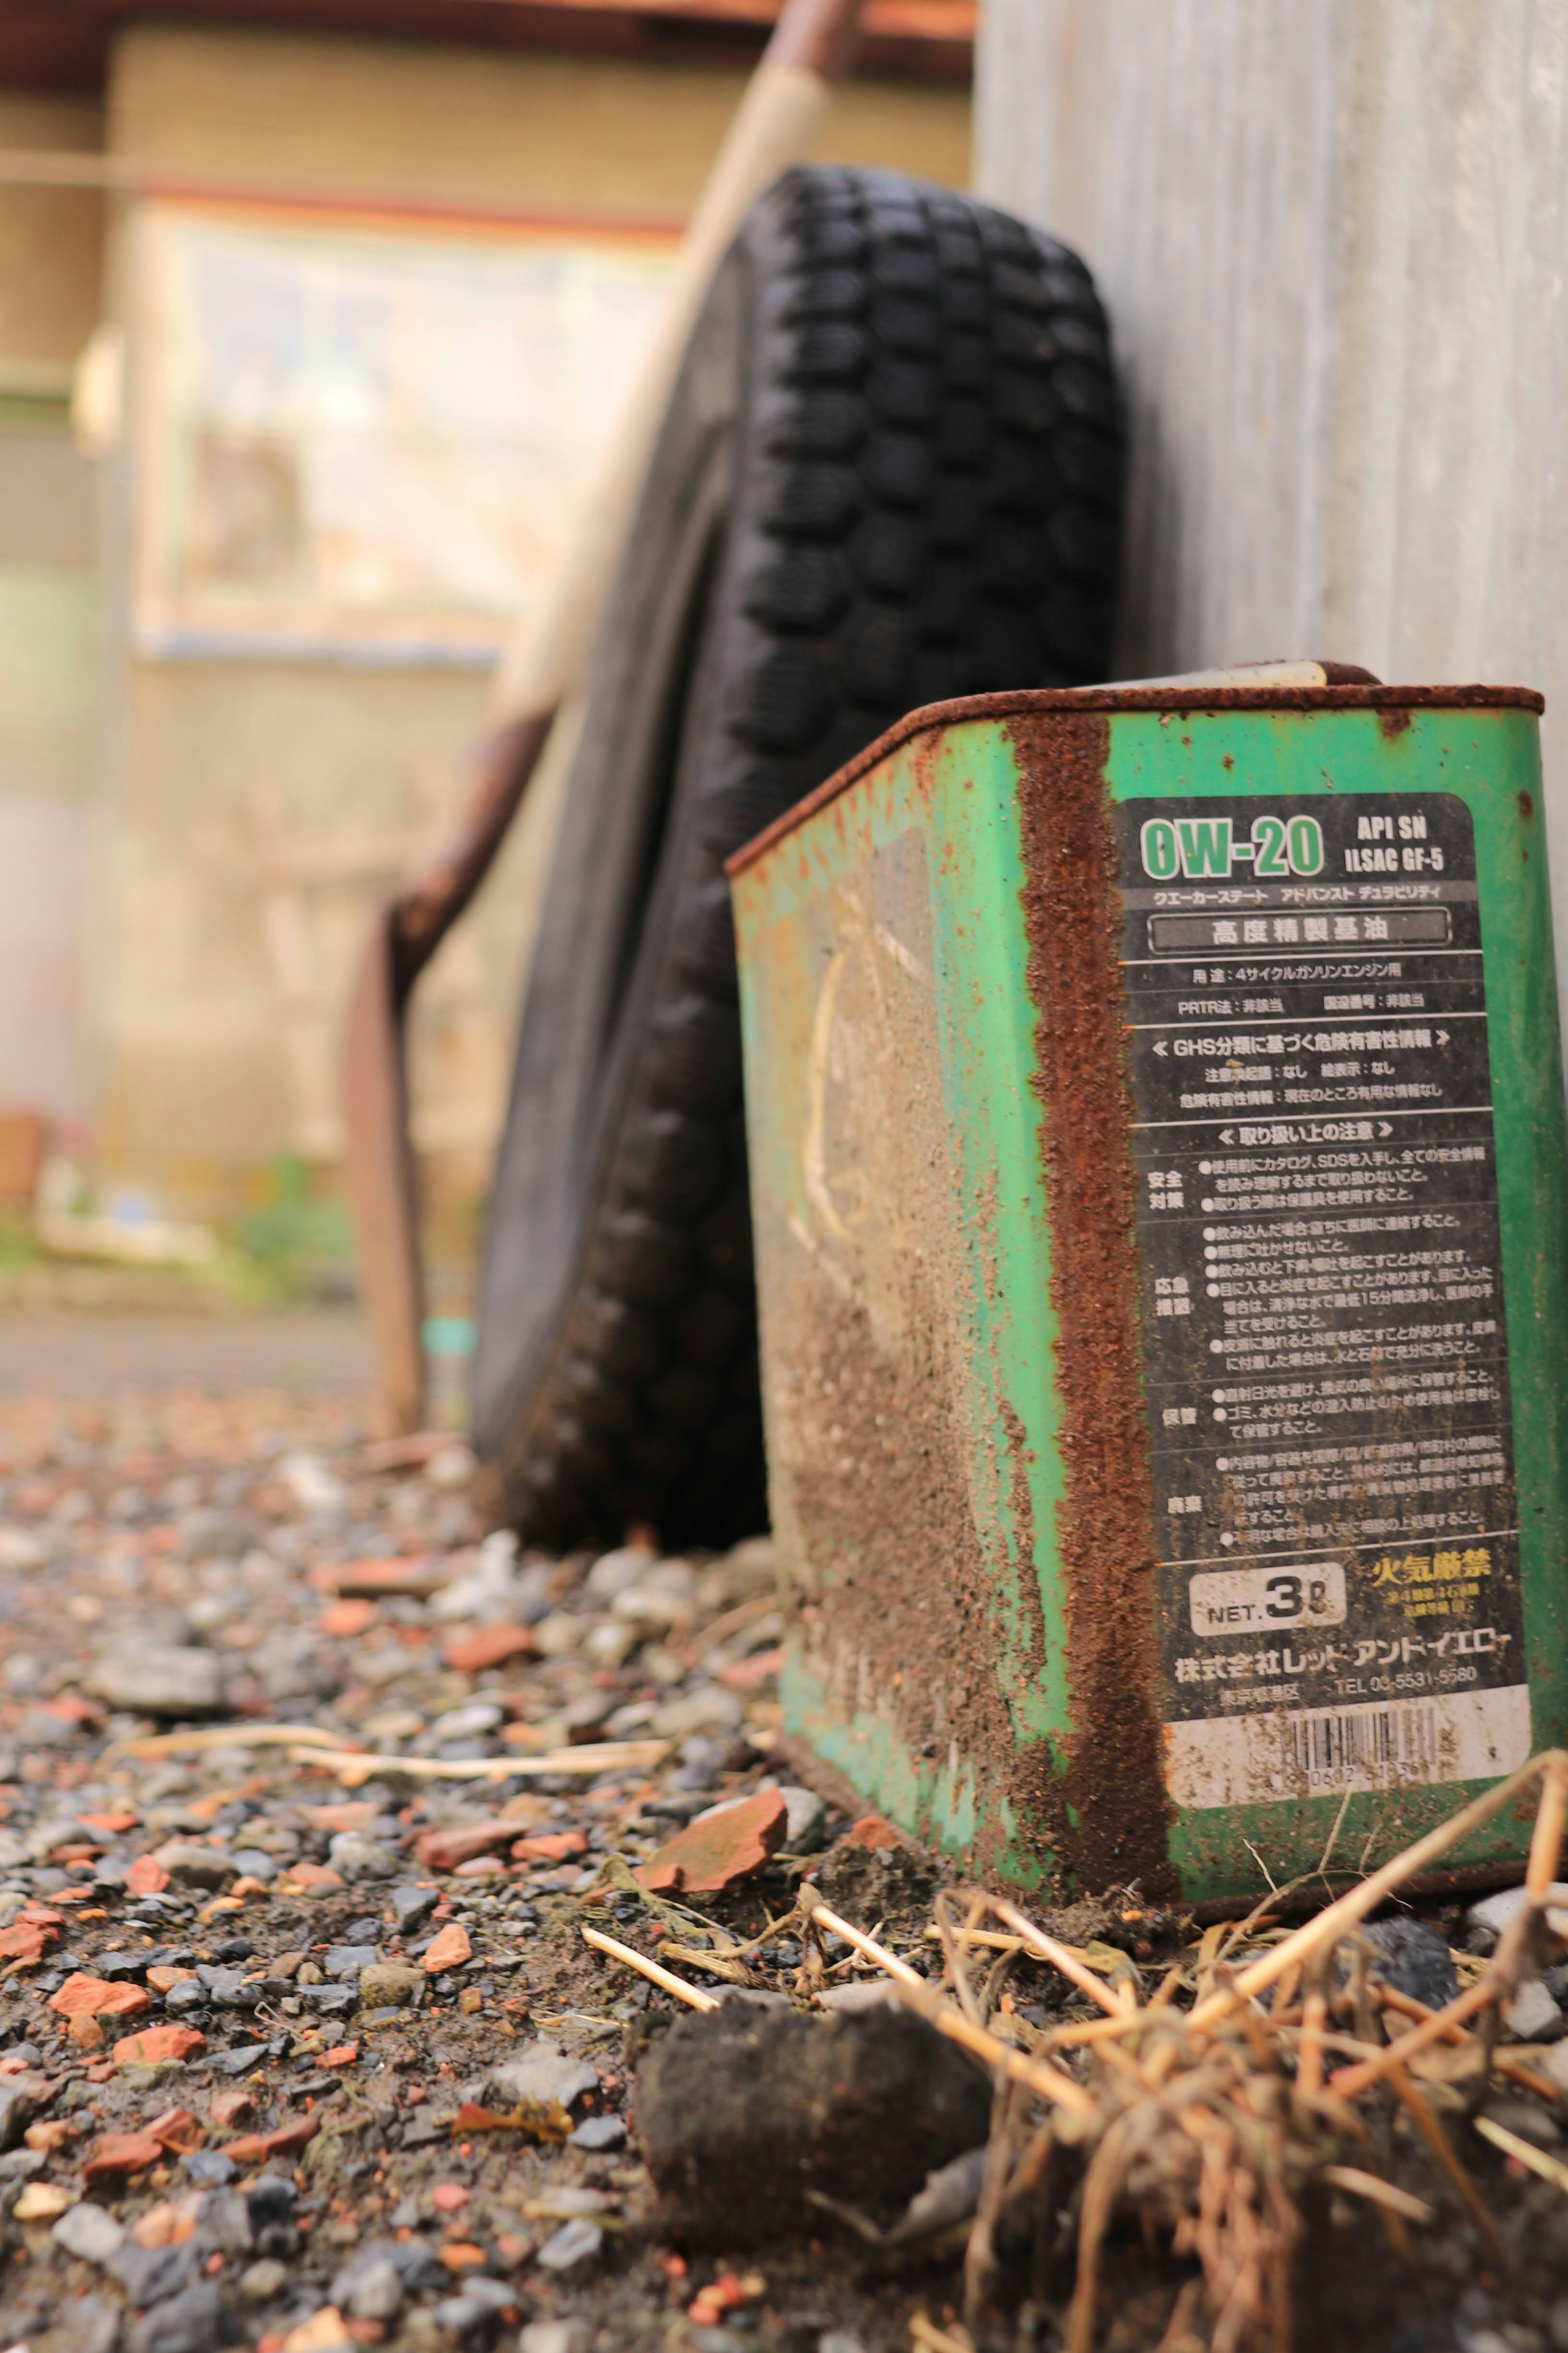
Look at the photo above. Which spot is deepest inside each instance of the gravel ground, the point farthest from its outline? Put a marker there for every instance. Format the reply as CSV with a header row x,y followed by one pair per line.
x,y
322,1994
306,2050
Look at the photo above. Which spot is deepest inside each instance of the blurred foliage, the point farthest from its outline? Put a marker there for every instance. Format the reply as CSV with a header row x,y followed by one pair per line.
x,y
19,1244
297,1244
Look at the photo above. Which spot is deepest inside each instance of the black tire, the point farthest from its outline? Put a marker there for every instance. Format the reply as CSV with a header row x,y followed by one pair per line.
x,y
890,473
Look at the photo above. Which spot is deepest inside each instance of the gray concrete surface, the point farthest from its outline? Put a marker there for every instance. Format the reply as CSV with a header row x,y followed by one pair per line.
x,y
1333,242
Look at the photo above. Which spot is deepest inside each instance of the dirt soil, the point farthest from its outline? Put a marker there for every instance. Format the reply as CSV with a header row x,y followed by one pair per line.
x,y
399,2104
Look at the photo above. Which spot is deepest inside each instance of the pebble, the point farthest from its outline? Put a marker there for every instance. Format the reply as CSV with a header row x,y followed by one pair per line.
x,y
263,2282
541,2074
1532,2013
89,2233
1493,1914
555,2336
158,1681
577,2241
355,1857
389,1985
302,2009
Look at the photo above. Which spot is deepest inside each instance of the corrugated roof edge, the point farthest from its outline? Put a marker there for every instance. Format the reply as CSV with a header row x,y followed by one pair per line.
x,y
1029,699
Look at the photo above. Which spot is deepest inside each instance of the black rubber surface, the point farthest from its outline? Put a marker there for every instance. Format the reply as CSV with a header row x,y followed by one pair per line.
x,y
890,473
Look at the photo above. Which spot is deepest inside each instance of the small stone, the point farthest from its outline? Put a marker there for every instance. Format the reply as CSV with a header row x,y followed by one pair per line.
x,y
158,1681
449,1950
389,1985
575,2243
1533,2013
555,2336
314,1486
322,2333
538,2075
412,1904
806,1818
708,1708
254,1862
375,2291
196,1866
839,2340
1495,1913
210,2168
865,1993
265,2281
41,2201
558,1633
89,2233
615,1572
713,1852
348,1961
195,2321
355,1857
598,2132
1414,1960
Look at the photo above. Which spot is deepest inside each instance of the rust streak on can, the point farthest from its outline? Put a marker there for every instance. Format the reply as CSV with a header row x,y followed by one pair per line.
x,y
1106,1518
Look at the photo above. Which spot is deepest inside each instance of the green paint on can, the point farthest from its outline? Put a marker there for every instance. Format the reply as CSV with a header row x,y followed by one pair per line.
x,y
1157,1148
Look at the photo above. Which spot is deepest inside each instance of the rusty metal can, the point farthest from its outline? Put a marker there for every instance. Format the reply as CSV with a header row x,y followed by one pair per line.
x,y
1157,1141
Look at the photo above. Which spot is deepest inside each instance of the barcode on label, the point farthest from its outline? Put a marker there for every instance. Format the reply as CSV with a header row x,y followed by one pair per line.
x,y
1392,1743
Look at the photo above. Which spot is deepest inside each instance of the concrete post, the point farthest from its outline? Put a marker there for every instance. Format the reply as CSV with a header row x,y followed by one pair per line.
x,y
1333,241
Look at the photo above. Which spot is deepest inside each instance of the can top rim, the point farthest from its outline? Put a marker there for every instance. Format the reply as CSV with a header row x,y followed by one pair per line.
x,y
1191,699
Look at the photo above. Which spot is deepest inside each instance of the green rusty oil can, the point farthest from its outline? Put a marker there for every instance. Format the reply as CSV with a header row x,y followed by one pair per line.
x,y
1157,1149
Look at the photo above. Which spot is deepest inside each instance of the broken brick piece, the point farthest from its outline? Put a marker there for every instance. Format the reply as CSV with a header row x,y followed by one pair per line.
x,y
550,1846
462,2255
872,1830
444,1850
342,2054
347,1814
450,1950
164,1974
712,1853
255,2148
346,1618
25,1941
313,1878
146,1876
177,2129
155,2043
86,2033
489,1646
111,1825
233,2107
82,1996
117,2153
448,2196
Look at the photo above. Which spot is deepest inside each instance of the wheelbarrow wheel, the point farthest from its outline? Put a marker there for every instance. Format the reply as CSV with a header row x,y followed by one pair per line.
x,y
890,473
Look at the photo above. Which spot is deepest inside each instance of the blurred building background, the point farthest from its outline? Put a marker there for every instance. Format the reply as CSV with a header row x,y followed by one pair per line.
x,y
311,318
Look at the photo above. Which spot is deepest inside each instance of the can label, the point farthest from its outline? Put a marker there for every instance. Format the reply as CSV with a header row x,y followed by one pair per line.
x,y
1324,1329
